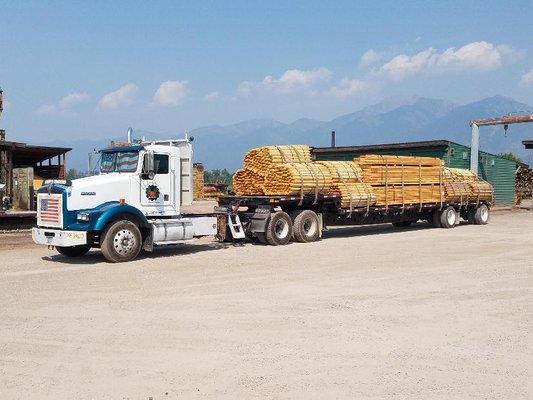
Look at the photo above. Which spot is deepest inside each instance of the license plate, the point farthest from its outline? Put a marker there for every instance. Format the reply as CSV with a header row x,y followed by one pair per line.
x,y
49,239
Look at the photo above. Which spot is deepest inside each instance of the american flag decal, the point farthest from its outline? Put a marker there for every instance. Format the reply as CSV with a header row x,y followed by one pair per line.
x,y
49,210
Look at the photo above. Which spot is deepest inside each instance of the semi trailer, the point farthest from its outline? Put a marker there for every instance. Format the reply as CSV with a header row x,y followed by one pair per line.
x,y
136,203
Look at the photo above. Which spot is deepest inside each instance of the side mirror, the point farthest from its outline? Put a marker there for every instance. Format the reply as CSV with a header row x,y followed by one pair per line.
x,y
149,165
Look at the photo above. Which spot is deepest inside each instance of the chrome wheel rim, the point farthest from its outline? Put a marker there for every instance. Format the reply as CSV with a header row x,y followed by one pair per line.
x,y
309,227
451,217
484,214
124,242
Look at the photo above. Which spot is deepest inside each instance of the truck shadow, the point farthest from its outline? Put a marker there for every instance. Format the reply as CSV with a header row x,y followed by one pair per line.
x,y
367,230
95,256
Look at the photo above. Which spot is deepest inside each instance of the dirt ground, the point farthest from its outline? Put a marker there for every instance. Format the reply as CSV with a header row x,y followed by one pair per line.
x,y
368,312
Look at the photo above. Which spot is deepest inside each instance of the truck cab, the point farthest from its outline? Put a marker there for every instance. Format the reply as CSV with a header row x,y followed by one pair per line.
x,y
133,203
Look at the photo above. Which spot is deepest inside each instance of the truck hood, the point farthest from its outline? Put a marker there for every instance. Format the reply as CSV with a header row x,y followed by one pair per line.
x,y
90,192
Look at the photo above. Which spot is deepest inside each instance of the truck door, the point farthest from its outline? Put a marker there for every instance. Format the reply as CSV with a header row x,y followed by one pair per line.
x,y
157,191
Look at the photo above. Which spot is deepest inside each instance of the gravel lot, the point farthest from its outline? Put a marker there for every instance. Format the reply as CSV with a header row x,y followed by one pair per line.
x,y
368,312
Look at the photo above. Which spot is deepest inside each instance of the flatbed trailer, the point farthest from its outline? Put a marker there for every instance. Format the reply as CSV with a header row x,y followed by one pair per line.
x,y
277,220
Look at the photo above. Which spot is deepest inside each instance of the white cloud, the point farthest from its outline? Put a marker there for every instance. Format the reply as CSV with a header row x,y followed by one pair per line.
x,y
72,99
527,78
124,96
403,65
171,93
481,56
64,105
370,57
291,80
349,87
47,109
212,96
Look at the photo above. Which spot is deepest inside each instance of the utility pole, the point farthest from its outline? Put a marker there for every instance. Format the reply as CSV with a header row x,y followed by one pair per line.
x,y
476,123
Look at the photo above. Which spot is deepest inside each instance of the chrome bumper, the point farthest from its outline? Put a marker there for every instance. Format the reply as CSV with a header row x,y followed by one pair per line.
x,y
56,237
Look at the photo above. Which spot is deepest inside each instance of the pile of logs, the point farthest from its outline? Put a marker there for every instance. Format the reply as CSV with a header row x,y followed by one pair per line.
x,y
367,180
248,183
260,159
297,179
198,181
463,184
524,184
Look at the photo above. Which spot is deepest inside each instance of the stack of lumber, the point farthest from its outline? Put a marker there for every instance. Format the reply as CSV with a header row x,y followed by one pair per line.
x,y
281,170
461,184
297,179
248,183
198,181
402,179
211,192
261,159
347,184
524,184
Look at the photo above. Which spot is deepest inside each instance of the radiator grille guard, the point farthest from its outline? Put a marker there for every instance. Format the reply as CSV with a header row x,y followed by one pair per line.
x,y
50,210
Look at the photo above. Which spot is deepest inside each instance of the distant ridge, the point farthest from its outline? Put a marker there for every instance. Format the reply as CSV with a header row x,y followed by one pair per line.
x,y
392,120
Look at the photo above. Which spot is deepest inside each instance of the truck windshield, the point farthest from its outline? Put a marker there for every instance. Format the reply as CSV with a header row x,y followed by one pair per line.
x,y
119,161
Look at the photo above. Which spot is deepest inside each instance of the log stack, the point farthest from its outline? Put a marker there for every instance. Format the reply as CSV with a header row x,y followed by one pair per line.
x,y
297,179
348,185
462,185
259,160
248,183
524,184
198,181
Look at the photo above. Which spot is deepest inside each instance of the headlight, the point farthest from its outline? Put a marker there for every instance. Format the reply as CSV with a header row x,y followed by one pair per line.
x,y
83,216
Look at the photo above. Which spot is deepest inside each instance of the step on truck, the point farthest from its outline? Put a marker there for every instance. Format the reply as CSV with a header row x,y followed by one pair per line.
x,y
135,204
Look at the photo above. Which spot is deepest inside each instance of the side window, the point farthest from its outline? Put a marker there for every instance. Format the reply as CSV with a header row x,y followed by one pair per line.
x,y
161,164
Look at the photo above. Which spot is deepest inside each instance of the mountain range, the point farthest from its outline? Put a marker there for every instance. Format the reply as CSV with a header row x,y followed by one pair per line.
x,y
390,121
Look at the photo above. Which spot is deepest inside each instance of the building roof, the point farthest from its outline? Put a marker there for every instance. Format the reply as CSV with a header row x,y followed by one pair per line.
x,y
528,144
385,146
26,155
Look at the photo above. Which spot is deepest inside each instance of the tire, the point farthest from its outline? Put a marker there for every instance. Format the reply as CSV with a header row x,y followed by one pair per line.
x,y
482,215
435,219
122,241
73,251
402,224
279,229
448,217
305,227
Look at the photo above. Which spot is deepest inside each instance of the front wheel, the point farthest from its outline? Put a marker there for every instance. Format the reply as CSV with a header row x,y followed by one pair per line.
x,y
122,241
73,251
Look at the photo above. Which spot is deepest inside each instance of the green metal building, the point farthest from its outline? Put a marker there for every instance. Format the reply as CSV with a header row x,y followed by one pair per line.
x,y
500,172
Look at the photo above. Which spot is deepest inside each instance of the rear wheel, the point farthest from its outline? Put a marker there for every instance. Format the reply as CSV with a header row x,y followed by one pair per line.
x,y
482,215
121,241
279,229
448,217
306,226
73,251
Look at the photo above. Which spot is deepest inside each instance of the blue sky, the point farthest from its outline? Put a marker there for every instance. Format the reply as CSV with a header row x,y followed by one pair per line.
x,y
91,69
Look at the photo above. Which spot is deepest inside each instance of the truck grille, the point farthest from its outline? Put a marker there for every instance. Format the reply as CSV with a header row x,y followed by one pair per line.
x,y
49,210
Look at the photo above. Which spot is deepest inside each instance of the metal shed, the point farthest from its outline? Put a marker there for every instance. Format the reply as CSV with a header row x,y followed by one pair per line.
x,y
498,171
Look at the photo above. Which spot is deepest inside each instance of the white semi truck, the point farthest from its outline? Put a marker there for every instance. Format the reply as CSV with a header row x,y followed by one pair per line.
x,y
136,200
134,203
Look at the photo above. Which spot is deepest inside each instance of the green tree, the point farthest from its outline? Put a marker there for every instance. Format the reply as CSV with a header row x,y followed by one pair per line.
x,y
510,156
73,174
218,176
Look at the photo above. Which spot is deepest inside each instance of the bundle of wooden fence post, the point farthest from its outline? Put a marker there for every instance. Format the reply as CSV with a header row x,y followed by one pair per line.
x,y
524,184
260,159
248,183
297,179
346,183
198,181
464,183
